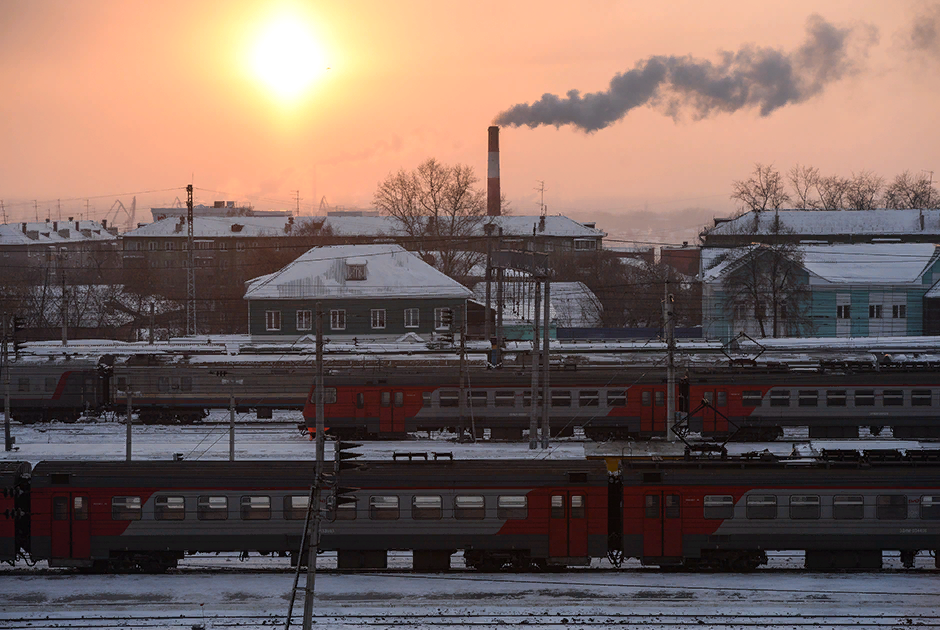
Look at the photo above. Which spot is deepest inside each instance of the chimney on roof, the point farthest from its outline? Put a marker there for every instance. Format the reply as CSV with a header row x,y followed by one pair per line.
x,y
24,228
492,174
104,224
55,226
542,223
47,219
71,218
77,226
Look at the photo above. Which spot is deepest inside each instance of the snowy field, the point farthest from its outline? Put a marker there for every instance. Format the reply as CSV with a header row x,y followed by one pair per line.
x,y
224,592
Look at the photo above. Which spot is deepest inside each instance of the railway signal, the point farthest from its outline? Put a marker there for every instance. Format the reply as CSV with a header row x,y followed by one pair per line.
x,y
341,452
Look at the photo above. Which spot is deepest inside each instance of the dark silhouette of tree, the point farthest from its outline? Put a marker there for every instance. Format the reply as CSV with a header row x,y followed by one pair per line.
x,y
763,190
909,191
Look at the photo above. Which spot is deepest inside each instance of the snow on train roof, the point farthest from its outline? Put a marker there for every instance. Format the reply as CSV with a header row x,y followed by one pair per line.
x,y
324,272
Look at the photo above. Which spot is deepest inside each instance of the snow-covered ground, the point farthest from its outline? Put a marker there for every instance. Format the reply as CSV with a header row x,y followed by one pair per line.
x,y
222,591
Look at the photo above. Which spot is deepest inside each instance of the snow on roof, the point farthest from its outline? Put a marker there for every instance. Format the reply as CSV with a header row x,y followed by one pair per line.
x,y
862,263
321,272
53,232
557,226
573,304
823,222
215,227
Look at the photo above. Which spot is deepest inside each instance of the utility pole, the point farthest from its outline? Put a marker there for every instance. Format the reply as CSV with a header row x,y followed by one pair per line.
x,y
296,202
231,415
3,209
318,481
151,323
86,209
7,439
190,268
670,327
546,386
499,302
488,230
541,191
64,300
534,359
128,437
36,209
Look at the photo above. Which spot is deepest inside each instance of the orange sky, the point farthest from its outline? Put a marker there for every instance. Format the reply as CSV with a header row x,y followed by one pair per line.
x,y
102,98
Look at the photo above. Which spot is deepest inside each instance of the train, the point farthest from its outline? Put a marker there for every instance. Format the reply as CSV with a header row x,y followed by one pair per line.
x,y
843,510
389,395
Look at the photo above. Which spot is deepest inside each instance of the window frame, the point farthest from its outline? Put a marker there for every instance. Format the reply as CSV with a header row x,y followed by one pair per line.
x,y
761,507
470,512
291,512
721,508
272,320
248,512
304,319
892,509
616,398
378,318
206,512
120,511
338,319
379,512
426,513
506,511
848,507
439,318
162,510
412,317
804,506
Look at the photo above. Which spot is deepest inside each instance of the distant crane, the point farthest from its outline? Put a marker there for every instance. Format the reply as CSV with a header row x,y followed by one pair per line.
x,y
117,208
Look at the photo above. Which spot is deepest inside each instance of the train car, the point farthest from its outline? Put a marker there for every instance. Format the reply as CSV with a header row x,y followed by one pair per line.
x,y
630,403
62,388
148,515
14,509
722,514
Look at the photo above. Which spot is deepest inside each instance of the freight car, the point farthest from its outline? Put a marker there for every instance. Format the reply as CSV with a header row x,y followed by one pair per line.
x,y
630,403
843,512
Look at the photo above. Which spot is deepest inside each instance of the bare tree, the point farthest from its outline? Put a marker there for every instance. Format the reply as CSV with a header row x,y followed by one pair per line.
x,y
763,190
863,191
909,191
440,208
831,191
804,180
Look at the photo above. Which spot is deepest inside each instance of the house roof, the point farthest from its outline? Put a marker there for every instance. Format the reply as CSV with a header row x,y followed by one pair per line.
x,y
862,263
391,272
214,227
819,223
53,233
573,304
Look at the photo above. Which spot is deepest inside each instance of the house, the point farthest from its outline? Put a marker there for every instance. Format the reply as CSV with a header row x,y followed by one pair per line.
x,y
571,305
861,290
87,251
378,291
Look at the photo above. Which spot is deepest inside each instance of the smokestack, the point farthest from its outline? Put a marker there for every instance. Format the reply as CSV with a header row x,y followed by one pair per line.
x,y
492,174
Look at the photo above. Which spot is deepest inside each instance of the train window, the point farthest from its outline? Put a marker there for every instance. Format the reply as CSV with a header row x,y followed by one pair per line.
x,y
476,398
848,507
893,397
60,508
652,506
22,385
329,396
719,506
427,508
387,399
512,506
212,508
169,508
360,401
425,399
722,398
708,397
646,398
929,508
672,506
804,506
660,398
505,398
558,506
921,398
751,398
163,384
865,398
125,508
780,398
616,397
256,508
295,507
80,508
50,384
891,507
835,398
186,383
344,512
527,399
577,506
762,506
469,507
399,398
449,398
808,398
588,398
561,398
383,508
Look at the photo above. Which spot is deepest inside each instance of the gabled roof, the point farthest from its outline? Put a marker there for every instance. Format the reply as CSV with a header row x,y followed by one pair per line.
x,y
64,232
822,223
214,227
514,226
391,272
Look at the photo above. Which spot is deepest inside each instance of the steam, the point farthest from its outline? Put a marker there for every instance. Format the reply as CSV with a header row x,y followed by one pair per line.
x,y
765,78
924,33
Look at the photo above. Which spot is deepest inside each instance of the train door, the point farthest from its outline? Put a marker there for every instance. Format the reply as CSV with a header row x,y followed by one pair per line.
x,y
385,412
70,532
392,412
647,411
360,413
713,416
662,526
567,526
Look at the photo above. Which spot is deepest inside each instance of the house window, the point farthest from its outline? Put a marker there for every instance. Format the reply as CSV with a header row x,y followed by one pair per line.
x,y
584,244
874,311
411,318
304,320
740,311
240,246
152,245
168,246
844,311
355,271
338,319
899,311
378,318
223,245
443,318
272,320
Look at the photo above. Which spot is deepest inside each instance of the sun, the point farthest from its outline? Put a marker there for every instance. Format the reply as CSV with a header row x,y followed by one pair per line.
x,y
287,58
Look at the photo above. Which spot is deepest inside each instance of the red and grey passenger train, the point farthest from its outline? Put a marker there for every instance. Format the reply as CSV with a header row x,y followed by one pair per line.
x,y
843,512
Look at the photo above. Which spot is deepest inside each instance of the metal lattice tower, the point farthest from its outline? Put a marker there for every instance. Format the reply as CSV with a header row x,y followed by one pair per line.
x,y
190,267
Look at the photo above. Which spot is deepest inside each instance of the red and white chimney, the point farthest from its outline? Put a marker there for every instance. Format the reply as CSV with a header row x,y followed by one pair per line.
x,y
492,174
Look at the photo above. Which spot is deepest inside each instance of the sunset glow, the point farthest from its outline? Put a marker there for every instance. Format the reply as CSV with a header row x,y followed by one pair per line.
x,y
286,58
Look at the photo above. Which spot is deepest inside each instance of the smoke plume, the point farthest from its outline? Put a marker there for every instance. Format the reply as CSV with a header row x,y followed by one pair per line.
x,y
923,36
764,78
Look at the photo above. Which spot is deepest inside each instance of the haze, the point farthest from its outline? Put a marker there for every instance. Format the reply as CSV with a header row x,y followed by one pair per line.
x,y
105,99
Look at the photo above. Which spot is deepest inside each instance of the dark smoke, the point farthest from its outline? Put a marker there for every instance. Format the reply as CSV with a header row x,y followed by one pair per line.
x,y
924,33
751,77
